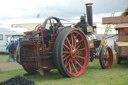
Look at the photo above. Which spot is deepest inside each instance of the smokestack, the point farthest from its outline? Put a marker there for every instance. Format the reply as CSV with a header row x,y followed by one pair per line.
x,y
89,13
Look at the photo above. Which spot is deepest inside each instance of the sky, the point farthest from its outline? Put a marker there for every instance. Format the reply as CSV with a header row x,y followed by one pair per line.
x,y
25,11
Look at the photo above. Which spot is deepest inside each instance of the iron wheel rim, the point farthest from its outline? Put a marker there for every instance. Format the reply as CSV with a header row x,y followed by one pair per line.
x,y
75,53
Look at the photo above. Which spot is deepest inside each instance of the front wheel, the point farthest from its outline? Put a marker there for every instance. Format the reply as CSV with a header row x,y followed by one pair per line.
x,y
106,57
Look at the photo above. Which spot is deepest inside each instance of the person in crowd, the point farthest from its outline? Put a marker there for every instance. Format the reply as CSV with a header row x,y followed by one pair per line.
x,y
9,45
12,50
17,42
7,48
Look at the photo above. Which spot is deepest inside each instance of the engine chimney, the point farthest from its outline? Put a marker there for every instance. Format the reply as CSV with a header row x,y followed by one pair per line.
x,y
89,13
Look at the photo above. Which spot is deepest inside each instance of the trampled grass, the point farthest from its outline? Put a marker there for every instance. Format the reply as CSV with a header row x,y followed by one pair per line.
x,y
5,65
94,75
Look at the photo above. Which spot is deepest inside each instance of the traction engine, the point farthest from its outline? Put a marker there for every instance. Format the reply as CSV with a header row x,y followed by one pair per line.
x,y
52,45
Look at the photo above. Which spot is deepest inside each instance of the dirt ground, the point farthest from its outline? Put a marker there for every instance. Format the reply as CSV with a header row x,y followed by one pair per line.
x,y
5,65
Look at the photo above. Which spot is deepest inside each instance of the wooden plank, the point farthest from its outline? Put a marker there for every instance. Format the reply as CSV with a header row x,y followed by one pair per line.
x,y
124,51
115,20
123,38
122,43
123,32
121,48
125,25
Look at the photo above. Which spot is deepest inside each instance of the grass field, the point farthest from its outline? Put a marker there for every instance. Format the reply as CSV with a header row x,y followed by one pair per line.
x,y
94,75
4,65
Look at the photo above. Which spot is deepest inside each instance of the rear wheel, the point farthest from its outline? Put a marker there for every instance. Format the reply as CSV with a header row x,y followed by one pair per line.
x,y
106,57
73,53
56,54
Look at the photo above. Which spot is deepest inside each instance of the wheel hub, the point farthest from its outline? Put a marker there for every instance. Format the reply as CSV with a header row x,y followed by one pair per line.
x,y
73,52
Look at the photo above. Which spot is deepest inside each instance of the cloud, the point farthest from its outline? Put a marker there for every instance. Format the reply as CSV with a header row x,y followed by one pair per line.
x,y
24,11
109,6
13,9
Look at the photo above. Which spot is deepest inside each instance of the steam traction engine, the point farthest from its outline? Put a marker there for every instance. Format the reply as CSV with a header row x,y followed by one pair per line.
x,y
52,45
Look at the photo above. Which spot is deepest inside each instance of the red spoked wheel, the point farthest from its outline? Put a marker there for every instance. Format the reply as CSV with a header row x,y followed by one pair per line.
x,y
73,53
106,57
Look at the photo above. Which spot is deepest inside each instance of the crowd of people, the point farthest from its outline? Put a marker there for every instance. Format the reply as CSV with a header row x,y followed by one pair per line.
x,y
11,47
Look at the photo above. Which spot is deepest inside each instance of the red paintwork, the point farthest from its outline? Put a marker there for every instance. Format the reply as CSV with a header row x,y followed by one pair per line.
x,y
75,53
108,57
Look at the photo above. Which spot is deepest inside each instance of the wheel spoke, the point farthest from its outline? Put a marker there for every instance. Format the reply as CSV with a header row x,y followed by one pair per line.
x,y
108,59
78,47
104,61
68,41
75,39
74,67
66,64
67,52
81,49
66,57
76,36
78,59
79,53
81,57
107,54
78,63
71,38
74,62
74,43
79,42
70,69
66,46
